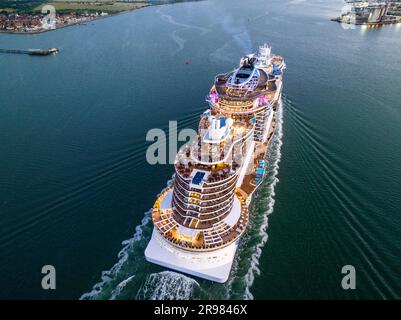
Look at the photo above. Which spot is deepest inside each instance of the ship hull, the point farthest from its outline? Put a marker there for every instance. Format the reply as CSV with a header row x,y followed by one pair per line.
x,y
214,266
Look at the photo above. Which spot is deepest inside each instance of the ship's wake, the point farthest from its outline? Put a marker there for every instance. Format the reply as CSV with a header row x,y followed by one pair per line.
x,y
114,281
266,203
180,41
130,268
246,267
167,285
168,18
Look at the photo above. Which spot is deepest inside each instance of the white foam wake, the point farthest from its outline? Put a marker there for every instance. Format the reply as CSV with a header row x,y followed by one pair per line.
x,y
123,255
107,276
167,285
120,287
275,157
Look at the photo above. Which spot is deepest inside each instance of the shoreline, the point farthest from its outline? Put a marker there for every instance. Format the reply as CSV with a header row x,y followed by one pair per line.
x,y
149,4
74,24
381,23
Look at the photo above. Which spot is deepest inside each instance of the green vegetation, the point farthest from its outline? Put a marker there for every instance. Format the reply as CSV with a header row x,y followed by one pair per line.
x,y
6,10
77,6
94,6
20,6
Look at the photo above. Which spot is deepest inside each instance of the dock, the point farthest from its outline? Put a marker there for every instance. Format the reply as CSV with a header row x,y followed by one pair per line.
x,y
33,52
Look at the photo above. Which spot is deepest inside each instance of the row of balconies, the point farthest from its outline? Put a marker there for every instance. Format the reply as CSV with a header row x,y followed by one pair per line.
x,y
211,205
181,216
204,198
199,199
207,214
207,188
199,209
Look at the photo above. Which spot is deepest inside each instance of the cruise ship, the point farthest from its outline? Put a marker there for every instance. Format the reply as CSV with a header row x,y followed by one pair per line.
x,y
199,220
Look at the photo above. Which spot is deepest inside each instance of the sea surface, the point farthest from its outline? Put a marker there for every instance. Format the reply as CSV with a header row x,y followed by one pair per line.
x,y
75,187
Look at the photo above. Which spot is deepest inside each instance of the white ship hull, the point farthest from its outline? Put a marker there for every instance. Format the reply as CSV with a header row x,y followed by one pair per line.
x,y
214,266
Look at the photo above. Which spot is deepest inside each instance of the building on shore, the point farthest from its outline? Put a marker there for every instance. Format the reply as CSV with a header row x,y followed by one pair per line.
x,y
371,12
32,23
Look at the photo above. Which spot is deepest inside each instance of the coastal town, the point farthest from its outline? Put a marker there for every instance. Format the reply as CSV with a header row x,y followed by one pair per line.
x,y
33,23
34,16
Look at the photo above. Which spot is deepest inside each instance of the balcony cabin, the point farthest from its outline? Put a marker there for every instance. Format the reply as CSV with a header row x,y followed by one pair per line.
x,y
196,234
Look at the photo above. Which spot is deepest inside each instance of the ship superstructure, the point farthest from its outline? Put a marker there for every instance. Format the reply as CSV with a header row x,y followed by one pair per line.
x,y
200,218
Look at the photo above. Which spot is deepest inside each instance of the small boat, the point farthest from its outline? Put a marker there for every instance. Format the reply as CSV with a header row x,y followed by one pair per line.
x,y
42,52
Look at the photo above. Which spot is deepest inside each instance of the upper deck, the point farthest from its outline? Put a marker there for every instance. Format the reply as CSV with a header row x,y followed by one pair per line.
x,y
255,76
229,87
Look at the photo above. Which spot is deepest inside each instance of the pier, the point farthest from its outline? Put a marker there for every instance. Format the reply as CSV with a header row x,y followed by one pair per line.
x,y
34,52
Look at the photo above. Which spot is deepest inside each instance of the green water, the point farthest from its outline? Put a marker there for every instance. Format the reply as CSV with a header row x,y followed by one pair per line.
x,y
74,182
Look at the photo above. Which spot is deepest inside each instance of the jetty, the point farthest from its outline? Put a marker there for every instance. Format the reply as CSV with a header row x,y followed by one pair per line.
x,y
33,52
